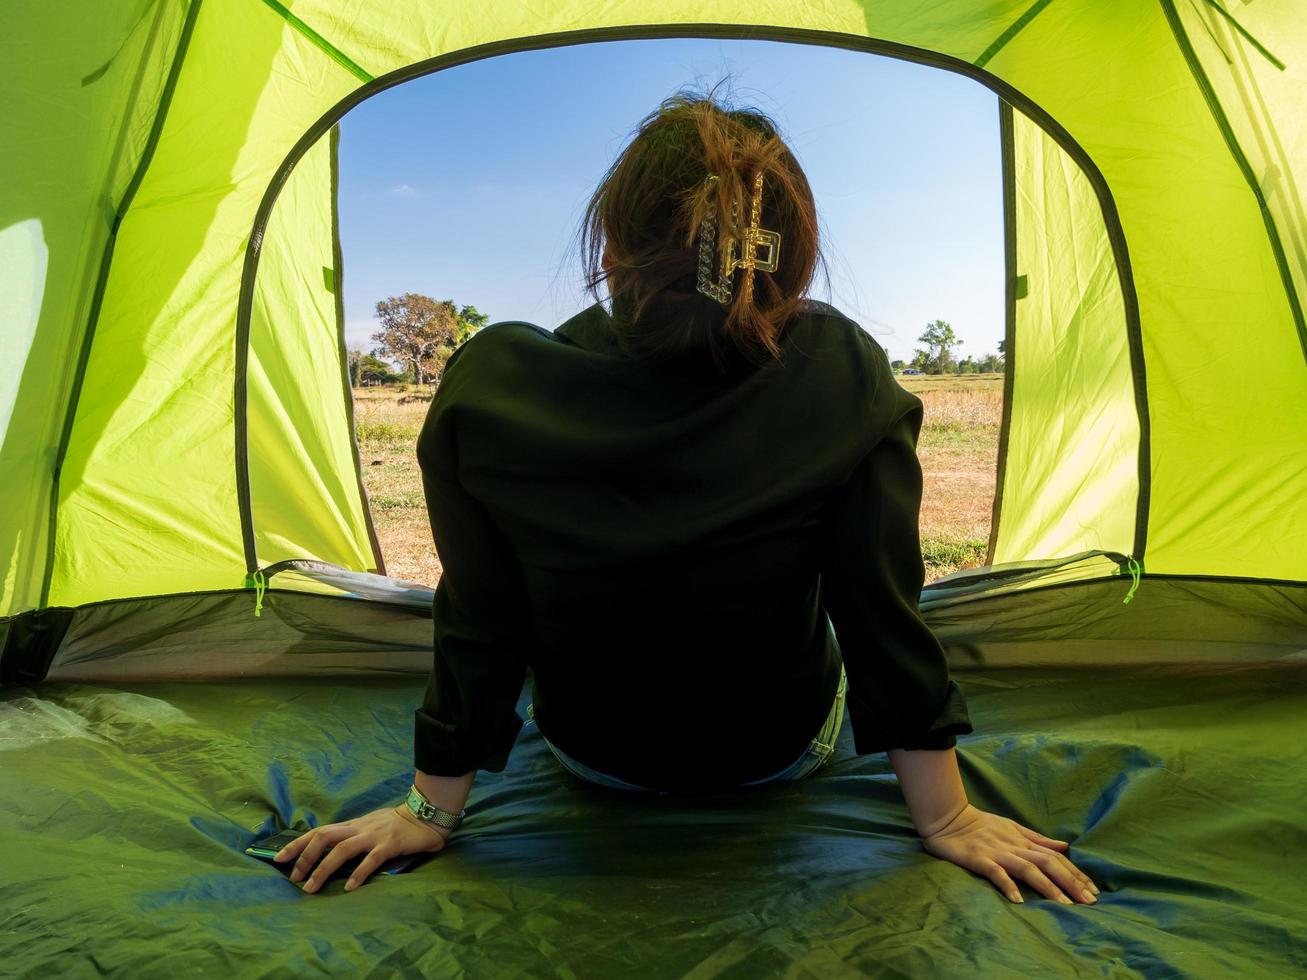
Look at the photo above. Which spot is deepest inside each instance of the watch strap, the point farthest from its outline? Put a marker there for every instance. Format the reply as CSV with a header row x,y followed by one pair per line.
x,y
428,812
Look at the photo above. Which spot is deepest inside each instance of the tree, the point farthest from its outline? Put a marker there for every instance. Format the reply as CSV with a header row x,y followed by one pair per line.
x,y
470,321
898,365
353,354
940,340
1000,359
366,369
422,332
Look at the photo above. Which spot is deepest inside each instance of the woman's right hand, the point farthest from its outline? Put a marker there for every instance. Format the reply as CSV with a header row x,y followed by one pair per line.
x,y
999,848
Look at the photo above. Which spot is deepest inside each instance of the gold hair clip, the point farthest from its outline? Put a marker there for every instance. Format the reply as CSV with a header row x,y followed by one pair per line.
x,y
754,237
721,289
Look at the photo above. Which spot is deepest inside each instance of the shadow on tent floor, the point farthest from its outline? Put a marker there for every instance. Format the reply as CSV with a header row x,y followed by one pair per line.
x,y
126,809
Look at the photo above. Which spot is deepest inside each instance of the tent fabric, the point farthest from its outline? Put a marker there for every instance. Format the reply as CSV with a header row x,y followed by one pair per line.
x,y
190,633
1024,620
149,496
1251,89
75,130
1070,459
126,858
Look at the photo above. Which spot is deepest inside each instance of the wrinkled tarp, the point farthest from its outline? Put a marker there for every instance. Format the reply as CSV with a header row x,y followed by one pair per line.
x,y
126,809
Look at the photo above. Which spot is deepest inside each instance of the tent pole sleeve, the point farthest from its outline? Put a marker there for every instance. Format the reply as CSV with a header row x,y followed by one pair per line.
x,y
240,415
1008,177
347,388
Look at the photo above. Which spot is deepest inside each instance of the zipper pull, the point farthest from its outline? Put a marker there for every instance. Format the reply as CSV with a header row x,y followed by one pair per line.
x,y
259,583
1135,570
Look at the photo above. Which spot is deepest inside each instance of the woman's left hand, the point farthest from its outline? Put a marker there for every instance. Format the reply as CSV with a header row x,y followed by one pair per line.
x,y
382,835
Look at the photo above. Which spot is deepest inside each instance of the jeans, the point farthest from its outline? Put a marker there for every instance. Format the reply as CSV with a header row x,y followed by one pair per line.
x,y
819,750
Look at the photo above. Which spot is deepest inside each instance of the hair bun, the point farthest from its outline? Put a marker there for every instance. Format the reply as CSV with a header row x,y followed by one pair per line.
x,y
695,172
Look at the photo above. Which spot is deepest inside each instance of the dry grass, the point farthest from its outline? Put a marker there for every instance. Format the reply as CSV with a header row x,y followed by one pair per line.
x,y
958,451
387,420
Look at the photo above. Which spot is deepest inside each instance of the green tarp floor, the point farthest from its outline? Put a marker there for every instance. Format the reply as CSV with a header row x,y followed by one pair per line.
x,y
126,809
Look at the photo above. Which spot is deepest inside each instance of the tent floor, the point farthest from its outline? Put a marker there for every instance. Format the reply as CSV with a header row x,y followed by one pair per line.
x,y
126,809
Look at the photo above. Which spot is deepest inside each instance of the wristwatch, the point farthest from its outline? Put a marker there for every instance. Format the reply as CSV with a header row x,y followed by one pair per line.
x,y
428,812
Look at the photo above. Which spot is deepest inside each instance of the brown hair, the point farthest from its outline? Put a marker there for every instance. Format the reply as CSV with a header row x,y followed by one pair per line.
x,y
644,220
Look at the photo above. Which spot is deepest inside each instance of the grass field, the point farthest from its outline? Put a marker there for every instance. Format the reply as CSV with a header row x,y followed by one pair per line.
x,y
958,450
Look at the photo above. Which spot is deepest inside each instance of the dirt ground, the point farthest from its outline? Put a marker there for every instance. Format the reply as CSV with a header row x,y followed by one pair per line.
x,y
958,451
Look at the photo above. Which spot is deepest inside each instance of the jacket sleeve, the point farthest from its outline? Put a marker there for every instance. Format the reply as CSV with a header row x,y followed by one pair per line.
x,y
900,694
468,718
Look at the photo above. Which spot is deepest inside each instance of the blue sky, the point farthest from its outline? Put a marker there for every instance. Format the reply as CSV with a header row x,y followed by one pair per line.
x,y
468,184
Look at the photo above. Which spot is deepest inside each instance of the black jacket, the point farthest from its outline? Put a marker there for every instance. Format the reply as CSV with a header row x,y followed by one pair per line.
x,y
662,544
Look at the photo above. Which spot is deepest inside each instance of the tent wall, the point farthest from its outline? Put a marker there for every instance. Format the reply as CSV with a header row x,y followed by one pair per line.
x,y
1070,457
1258,75
305,494
76,126
1227,370
147,498
148,495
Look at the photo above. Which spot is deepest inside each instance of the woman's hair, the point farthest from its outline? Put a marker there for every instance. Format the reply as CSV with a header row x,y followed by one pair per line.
x,y
644,218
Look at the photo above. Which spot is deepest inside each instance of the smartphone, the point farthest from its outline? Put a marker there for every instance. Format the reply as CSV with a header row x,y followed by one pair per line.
x,y
268,847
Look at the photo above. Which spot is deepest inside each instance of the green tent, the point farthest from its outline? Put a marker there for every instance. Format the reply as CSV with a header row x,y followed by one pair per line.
x,y
180,502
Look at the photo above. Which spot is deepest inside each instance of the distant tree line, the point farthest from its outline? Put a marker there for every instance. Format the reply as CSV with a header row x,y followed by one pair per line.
x,y
419,334
936,356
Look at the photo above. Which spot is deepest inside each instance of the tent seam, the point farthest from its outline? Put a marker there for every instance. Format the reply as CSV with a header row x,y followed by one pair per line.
x,y
960,600
1241,161
1007,156
422,611
1260,48
327,48
1015,28
102,281
419,610
338,260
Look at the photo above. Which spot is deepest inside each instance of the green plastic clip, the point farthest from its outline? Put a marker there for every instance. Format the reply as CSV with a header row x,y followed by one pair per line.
x,y
1135,570
259,583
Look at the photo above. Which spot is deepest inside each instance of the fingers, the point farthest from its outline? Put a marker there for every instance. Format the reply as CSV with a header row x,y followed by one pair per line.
x,y
299,843
1030,872
1039,838
369,864
319,840
1071,878
1074,881
995,873
294,847
339,854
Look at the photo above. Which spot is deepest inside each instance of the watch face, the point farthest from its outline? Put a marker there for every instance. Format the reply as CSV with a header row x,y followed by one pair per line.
x,y
424,810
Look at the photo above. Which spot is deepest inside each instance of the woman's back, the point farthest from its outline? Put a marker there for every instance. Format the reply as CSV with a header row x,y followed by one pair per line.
x,y
660,532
